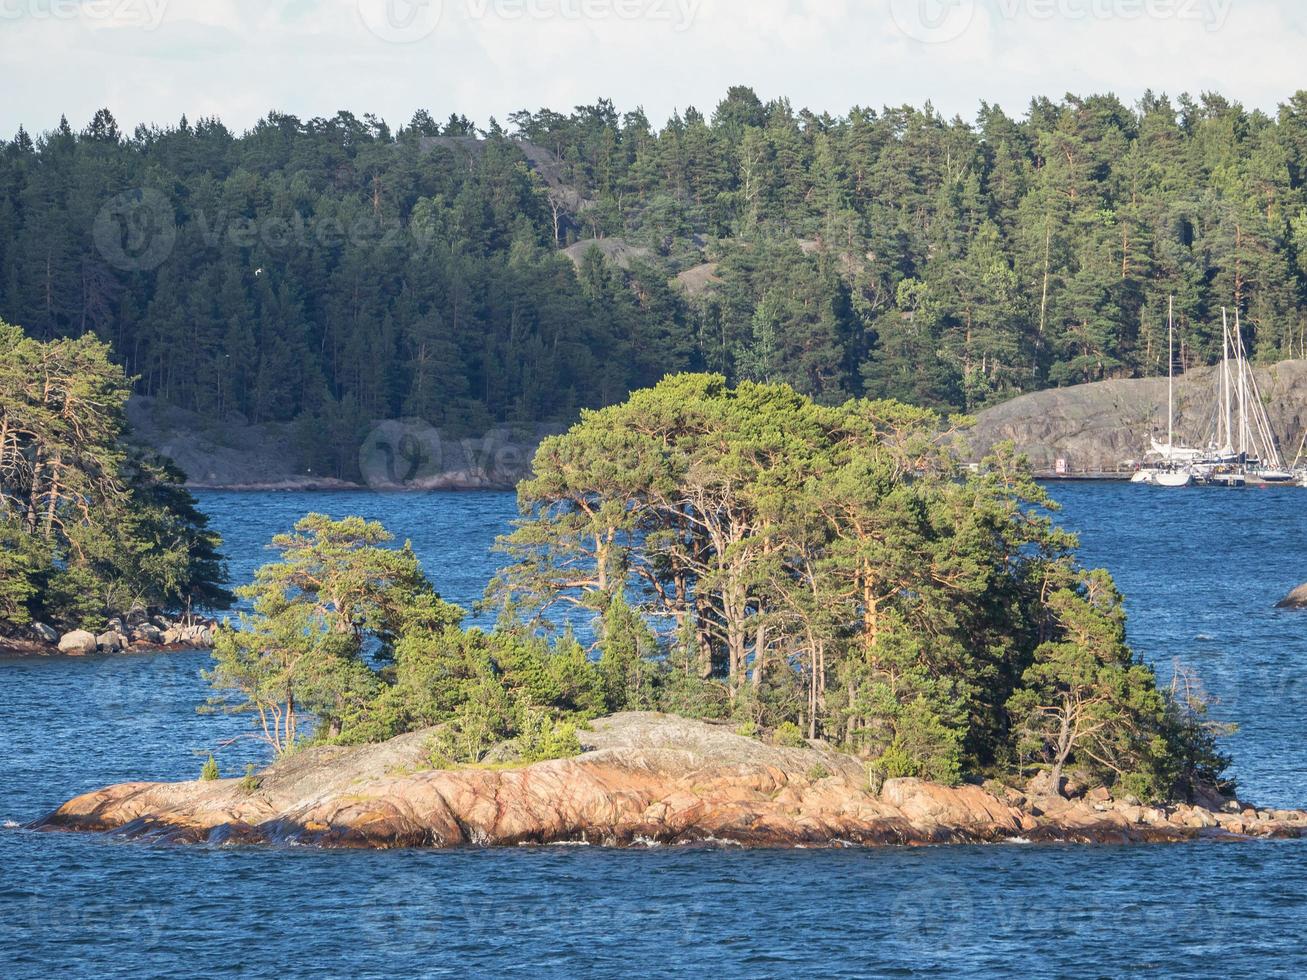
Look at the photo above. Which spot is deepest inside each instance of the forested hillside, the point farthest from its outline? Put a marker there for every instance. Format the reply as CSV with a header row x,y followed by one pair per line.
x,y
335,271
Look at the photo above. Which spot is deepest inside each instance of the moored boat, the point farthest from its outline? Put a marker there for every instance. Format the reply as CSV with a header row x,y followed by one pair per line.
x,y
1175,479
1242,448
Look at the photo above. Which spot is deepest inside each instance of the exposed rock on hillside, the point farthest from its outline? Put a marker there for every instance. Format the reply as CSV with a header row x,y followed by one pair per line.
x,y
1096,427
616,250
643,779
697,280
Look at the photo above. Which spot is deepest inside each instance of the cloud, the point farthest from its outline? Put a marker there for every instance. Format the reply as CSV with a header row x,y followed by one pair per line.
x,y
240,58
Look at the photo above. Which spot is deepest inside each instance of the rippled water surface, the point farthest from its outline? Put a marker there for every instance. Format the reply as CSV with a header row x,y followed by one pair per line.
x,y
1202,572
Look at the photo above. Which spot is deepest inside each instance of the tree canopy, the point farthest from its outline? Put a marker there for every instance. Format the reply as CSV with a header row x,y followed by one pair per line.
x,y
89,527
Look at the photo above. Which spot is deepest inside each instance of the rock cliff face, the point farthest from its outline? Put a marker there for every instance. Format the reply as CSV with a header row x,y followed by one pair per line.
x,y
397,454
643,779
1096,427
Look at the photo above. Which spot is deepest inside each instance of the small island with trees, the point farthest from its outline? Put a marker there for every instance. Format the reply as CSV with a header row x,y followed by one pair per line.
x,y
100,545
810,624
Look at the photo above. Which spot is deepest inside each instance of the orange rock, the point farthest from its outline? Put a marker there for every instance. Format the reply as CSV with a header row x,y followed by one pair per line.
x,y
644,778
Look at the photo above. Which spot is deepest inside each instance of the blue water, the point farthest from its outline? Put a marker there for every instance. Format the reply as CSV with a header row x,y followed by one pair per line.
x,y
1201,570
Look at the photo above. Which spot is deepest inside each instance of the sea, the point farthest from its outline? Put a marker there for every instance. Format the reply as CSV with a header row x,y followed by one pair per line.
x,y
1202,571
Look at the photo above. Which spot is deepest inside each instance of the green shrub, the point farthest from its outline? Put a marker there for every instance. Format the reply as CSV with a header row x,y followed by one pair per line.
x,y
250,782
788,735
690,696
210,771
630,651
818,773
542,738
1141,785
483,719
894,763
748,729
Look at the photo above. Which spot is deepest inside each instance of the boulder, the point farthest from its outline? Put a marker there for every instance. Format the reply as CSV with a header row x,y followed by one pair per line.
x,y
1198,818
1209,798
147,634
1133,814
1075,787
46,634
960,807
172,636
1297,599
1041,786
116,626
78,643
110,642
137,616
199,636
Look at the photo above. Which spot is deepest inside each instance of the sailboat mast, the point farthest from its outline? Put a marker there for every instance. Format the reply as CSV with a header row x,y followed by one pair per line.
x,y
1227,423
1243,385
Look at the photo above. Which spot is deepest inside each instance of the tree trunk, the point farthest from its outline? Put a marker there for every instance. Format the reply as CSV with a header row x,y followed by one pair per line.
x,y
52,505
1065,742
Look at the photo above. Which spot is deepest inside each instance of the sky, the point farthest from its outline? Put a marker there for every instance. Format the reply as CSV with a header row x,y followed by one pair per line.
x,y
151,61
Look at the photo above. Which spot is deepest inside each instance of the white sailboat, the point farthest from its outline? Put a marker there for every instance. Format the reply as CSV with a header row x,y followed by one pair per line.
x,y
1222,465
1253,445
1176,462
1241,445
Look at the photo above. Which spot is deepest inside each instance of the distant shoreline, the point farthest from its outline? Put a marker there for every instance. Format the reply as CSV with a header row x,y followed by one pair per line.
x,y
341,486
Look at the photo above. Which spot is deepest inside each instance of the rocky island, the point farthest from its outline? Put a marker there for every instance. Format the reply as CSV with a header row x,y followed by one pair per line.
x,y
878,646
643,779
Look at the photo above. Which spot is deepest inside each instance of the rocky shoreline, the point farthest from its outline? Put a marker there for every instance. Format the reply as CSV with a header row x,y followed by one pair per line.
x,y
395,455
643,779
138,631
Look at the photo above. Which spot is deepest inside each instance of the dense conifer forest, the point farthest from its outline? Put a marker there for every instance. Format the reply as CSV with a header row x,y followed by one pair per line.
x,y
333,271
